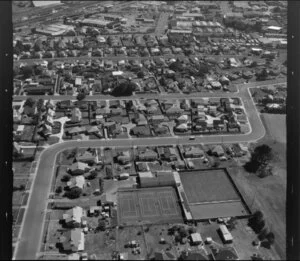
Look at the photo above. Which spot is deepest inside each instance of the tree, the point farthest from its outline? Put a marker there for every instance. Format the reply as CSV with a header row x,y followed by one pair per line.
x,y
101,225
27,71
141,74
183,232
40,104
263,233
81,96
270,237
262,154
29,102
58,190
123,89
93,175
73,193
66,178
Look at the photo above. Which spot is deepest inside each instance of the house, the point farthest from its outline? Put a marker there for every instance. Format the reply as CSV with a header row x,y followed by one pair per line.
x,y
140,131
216,85
87,157
174,110
167,153
225,253
156,119
148,155
247,75
218,151
73,241
76,131
17,150
76,182
193,152
160,129
164,255
124,157
182,119
140,119
76,115
94,210
94,130
16,116
226,235
74,256
73,217
79,168
196,239
181,127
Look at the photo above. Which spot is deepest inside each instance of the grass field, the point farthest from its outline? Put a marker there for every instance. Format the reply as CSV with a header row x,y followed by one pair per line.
x,y
157,205
269,194
208,186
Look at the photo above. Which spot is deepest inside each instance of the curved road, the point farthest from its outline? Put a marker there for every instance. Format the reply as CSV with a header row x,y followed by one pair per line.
x,y
31,231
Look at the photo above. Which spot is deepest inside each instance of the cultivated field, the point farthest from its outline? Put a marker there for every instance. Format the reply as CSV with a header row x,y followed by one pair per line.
x,y
155,205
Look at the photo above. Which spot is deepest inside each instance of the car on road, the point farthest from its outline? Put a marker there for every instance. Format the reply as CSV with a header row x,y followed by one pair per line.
x,y
192,138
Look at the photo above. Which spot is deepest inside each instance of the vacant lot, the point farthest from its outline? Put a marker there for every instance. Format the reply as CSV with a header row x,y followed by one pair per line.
x,y
275,126
269,194
207,186
148,205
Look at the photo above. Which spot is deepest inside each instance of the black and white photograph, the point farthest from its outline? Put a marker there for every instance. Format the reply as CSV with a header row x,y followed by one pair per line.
x,y
150,130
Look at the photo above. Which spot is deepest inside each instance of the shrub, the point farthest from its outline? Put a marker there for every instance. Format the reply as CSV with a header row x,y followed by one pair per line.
x,y
66,178
58,190
80,96
73,193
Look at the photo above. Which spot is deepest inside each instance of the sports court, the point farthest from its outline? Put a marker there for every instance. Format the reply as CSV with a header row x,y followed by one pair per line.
x,y
148,205
212,194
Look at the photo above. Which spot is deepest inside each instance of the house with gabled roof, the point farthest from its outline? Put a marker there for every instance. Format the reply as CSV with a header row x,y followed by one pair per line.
x,y
76,182
167,153
181,127
124,157
218,151
73,217
74,241
79,168
148,155
193,152
87,157
76,115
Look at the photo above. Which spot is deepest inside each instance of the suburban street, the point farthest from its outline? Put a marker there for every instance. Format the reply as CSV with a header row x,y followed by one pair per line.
x,y
31,231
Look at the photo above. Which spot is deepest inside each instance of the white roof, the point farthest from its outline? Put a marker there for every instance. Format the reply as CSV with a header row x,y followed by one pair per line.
x,y
196,237
117,73
226,234
275,28
182,126
20,128
183,117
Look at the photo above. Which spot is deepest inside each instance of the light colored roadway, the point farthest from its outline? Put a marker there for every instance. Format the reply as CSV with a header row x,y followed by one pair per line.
x,y
31,231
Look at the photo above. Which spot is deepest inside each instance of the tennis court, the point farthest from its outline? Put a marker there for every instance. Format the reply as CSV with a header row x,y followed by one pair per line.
x,y
148,205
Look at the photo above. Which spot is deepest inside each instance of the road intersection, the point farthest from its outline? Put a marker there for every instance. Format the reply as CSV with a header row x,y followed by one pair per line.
x,y
31,231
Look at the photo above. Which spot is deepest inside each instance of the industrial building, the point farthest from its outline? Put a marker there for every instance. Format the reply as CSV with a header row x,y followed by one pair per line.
x,y
54,29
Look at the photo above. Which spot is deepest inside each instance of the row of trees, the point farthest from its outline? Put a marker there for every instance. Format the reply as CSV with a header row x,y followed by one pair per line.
x,y
258,224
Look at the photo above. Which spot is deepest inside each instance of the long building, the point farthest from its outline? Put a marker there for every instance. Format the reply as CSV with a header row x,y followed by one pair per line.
x,y
54,29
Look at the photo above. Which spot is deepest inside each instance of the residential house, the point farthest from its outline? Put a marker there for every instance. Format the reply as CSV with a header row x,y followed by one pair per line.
x,y
140,119
156,119
73,217
87,157
16,116
76,115
124,157
226,253
167,153
76,182
148,155
196,239
182,119
141,131
218,151
174,110
79,168
74,256
183,127
76,131
94,130
17,150
73,241
193,152
160,129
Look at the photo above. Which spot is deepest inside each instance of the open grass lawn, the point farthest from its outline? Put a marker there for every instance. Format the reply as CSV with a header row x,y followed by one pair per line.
x,y
17,198
60,172
64,157
269,194
28,133
128,234
100,244
21,168
153,237
207,186
53,234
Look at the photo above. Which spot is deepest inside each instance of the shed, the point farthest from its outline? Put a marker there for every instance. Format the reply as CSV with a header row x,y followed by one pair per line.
x,y
196,238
